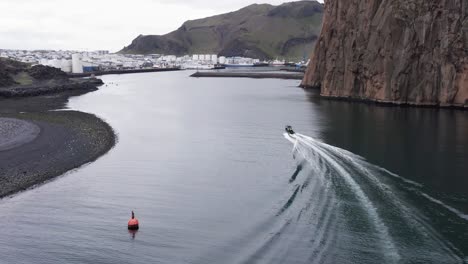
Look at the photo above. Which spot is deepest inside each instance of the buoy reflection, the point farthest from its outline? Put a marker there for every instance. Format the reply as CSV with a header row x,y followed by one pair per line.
x,y
133,233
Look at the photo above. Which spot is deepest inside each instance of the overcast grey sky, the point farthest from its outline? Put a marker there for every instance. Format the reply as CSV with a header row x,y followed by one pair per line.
x,y
99,24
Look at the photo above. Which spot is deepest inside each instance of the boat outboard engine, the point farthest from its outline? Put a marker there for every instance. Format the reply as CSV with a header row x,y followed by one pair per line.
x,y
289,130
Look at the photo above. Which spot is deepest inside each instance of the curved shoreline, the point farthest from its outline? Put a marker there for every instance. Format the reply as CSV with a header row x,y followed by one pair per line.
x,y
51,87
67,140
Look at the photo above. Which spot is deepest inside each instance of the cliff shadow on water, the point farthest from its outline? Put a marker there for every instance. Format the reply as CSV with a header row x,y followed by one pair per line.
x,y
424,145
368,191
427,145
339,208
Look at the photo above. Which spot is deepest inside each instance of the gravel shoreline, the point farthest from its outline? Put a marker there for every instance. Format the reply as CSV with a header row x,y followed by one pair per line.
x,y
37,144
68,139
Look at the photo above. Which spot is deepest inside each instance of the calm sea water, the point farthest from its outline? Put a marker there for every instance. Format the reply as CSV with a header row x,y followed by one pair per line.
x,y
206,168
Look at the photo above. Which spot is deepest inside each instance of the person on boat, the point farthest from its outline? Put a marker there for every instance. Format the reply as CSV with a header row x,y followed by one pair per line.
x,y
289,130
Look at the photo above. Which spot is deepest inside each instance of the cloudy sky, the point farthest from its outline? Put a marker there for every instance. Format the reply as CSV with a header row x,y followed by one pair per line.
x,y
99,24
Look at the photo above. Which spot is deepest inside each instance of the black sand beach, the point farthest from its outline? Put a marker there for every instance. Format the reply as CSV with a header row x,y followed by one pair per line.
x,y
37,144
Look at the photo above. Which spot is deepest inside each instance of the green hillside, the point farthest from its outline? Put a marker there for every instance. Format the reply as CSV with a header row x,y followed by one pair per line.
x,y
259,31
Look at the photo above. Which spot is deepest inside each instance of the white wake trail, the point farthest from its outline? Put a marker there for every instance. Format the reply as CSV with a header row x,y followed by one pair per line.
x,y
349,165
391,251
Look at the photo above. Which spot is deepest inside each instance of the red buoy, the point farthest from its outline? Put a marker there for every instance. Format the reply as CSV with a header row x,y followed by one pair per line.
x,y
133,223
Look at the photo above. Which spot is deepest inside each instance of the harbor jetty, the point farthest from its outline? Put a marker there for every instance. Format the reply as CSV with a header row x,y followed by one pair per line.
x,y
255,75
100,73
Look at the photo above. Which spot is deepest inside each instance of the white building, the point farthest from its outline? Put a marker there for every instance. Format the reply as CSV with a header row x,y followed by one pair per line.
x,y
44,62
77,66
222,60
66,65
55,63
214,58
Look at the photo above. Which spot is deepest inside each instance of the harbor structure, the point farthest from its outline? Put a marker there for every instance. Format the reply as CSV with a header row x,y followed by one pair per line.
x,y
77,66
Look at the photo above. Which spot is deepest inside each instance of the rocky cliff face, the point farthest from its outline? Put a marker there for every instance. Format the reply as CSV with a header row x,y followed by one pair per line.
x,y
399,51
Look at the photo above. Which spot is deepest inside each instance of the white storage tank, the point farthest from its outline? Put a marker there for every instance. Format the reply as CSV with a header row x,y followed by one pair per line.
x,y
66,65
207,57
77,66
195,57
214,58
222,60
201,57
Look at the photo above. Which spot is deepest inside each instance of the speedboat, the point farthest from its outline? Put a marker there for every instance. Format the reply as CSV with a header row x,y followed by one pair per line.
x,y
289,130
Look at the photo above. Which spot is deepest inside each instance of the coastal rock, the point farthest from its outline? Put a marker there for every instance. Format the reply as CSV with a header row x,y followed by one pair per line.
x,y
41,72
8,68
400,51
51,87
259,31
19,79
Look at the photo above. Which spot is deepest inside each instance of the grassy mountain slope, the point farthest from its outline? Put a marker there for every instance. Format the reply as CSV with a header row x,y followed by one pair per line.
x,y
260,31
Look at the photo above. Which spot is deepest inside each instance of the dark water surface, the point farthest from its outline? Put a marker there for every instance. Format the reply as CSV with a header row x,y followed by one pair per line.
x,y
211,177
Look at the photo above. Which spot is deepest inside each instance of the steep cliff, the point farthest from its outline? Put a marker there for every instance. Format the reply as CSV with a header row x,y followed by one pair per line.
x,y
259,31
399,51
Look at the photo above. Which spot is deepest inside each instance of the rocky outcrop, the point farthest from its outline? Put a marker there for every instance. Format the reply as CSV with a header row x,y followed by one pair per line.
x,y
41,72
398,51
8,68
259,31
19,79
51,87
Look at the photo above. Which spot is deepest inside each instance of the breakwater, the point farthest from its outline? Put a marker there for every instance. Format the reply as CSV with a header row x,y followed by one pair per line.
x,y
255,75
99,73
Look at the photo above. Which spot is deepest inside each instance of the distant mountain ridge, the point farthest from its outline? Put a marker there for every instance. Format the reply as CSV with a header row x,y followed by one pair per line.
x,y
260,31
